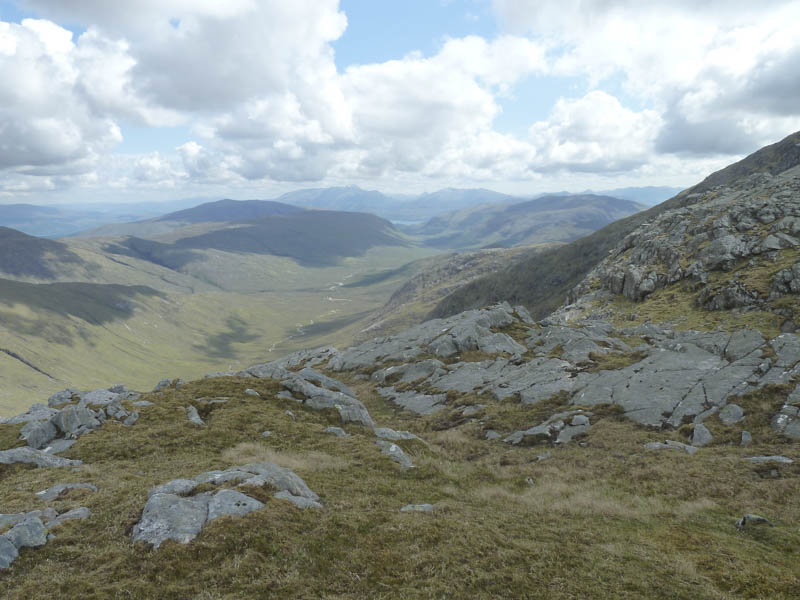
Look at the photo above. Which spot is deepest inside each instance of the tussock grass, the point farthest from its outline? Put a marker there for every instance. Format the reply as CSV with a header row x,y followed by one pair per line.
x,y
608,520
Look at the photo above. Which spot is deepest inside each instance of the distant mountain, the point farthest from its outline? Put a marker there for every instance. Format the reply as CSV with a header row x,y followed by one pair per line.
x,y
542,281
393,207
547,219
649,195
230,210
26,256
310,237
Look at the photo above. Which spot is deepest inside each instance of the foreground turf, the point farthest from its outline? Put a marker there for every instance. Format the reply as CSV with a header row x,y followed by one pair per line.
x,y
601,519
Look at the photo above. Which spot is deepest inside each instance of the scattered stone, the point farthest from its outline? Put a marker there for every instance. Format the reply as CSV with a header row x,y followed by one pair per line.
x,y
28,534
747,438
193,416
37,412
767,459
131,419
97,398
162,385
751,519
337,431
35,457
672,445
62,397
469,411
170,514
252,392
76,513
396,453
54,492
732,413
554,430
701,436
290,414
385,433
298,501
421,404
266,434
417,508
142,403
59,446
38,433
540,457
492,435
8,552
72,421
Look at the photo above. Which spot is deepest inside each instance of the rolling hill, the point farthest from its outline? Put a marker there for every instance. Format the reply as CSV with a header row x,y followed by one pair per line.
x,y
547,219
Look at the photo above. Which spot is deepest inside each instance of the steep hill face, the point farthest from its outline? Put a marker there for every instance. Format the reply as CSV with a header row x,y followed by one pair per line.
x,y
733,246
547,219
543,282
26,256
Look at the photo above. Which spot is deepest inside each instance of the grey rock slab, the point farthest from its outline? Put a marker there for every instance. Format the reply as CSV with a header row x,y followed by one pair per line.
x,y
701,436
131,419
730,414
492,435
193,416
59,446
37,412
76,513
417,508
337,431
280,478
386,433
252,392
421,404
72,420
231,503
38,433
97,398
35,457
298,501
396,453
767,459
351,410
62,397
8,552
142,403
747,438
324,381
171,517
30,533
55,491
409,373
742,343
177,487
569,432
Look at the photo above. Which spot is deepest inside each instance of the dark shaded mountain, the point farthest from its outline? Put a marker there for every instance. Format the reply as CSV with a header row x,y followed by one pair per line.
x,y
23,255
547,219
542,281
311,237
230,210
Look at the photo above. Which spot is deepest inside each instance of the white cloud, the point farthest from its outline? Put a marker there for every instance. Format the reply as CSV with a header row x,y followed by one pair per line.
x,y
595,134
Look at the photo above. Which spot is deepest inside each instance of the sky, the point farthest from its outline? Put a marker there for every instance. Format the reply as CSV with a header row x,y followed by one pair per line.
x,y
165,99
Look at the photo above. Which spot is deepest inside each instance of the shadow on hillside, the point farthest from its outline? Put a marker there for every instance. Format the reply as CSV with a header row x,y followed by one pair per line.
x,y
92,303
219,345
23,255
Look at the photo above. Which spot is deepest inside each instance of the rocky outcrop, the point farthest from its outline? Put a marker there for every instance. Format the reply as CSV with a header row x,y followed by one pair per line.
x,y
746,225
172,513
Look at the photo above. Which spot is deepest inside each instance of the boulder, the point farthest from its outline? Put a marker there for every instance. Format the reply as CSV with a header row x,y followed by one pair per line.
x,y
8,552
76,513
170,517
231,503
193,416
396,453
730,414
38,433
28,534
337,431
701,436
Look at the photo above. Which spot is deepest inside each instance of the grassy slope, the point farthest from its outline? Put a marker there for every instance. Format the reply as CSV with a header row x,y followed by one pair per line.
x,y
604,520
189,327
